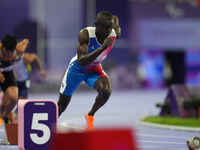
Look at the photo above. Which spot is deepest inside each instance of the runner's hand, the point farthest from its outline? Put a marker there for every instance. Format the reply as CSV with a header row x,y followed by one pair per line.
x,y
43,73
2,78
107,42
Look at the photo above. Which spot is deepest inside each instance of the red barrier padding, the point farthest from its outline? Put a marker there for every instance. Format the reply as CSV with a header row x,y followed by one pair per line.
x,y
12,132
198,2
99,139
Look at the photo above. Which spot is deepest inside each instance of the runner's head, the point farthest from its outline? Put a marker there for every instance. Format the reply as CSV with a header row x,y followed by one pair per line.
x,y
104,24
9,43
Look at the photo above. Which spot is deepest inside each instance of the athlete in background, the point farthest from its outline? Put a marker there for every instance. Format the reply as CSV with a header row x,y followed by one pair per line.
x,y
94,44
21,73
10,54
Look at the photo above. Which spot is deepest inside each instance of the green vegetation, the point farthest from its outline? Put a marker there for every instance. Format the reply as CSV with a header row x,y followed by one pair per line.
x,y
186,122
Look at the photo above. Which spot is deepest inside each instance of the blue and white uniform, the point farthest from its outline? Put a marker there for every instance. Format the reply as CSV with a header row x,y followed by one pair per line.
x,y
75,73
22,77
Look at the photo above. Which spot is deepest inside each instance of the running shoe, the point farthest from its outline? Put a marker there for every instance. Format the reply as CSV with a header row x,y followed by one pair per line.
x,y
89,122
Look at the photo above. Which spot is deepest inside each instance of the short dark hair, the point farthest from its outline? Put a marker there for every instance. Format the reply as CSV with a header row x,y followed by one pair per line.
x,y
102,15
9,42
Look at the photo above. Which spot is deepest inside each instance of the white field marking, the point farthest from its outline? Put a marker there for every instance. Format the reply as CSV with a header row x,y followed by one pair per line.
x,y
153,147
2,130
70,126
6,146
74,120
162,136
64,125
170,127
161,142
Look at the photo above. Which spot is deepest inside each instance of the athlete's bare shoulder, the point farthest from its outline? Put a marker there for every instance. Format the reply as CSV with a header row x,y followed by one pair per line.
x,y
83,36
1,46
116,26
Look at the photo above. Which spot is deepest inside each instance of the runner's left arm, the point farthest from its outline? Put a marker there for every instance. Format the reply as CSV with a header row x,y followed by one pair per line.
x,y
1,46
116,26
21,46
33,58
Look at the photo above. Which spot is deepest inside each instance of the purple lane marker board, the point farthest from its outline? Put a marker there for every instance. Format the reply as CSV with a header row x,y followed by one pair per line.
x,y
37,120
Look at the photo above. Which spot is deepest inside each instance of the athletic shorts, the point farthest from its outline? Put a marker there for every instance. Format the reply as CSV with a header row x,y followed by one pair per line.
x,y
9,80
73,77
23,87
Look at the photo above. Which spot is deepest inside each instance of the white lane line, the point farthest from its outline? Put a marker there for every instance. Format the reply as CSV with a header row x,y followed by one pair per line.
x,y
172,127
162,136
161,142
2,130
154,147
68,126
158,148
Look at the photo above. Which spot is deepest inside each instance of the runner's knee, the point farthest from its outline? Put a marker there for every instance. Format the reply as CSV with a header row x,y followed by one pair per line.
x,y
105,93
12,94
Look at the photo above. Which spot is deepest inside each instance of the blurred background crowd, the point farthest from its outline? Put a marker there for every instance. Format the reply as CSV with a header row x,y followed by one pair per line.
x,y
159,45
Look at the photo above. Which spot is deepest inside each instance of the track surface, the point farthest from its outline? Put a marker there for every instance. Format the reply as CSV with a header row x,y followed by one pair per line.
x,y
124,109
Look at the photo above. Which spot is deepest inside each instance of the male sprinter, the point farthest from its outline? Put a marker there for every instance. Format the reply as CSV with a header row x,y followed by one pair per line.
x,y
10,53
94,44
21,73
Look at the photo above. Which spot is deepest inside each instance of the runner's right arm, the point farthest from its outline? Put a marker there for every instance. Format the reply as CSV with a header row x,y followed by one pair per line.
x,y
2,78
30,58
85,58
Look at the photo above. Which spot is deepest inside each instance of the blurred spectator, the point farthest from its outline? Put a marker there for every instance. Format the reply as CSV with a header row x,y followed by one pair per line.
x,y
150,69
124,76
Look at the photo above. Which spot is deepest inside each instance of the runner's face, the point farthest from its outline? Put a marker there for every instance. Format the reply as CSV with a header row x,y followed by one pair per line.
x,y
7,55
104,28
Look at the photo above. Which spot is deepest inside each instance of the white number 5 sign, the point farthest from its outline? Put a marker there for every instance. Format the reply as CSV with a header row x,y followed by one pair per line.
x,y
37,119
40,126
